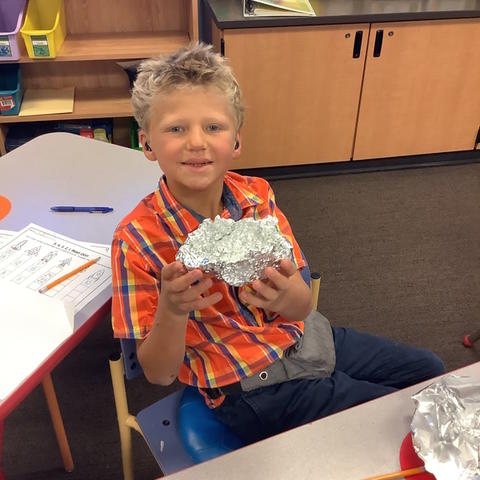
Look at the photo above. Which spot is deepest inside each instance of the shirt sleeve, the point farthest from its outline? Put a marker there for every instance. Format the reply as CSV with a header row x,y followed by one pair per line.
x,y
284,227
135,291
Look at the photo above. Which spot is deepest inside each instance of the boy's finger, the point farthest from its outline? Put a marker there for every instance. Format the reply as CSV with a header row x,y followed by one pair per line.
x,y
251,299
278,279
197,290
287,267
172,270
205,302
265,289
185,280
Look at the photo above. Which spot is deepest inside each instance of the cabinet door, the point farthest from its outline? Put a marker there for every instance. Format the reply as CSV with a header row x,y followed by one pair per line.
x,y
301,87
422,93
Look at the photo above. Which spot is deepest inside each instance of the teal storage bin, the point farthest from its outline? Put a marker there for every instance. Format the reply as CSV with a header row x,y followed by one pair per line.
x,y
11,91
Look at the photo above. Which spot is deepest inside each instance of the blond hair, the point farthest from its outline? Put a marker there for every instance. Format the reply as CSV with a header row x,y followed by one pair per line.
x,y
194,65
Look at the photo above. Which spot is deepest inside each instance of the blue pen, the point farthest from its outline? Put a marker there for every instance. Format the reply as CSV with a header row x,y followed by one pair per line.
x,y
68,208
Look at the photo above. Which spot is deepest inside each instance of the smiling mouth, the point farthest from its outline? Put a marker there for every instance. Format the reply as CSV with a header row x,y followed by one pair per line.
x,y
197,164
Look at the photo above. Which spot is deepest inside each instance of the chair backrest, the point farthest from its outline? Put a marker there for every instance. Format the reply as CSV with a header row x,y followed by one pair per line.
x,y
131,364
306,272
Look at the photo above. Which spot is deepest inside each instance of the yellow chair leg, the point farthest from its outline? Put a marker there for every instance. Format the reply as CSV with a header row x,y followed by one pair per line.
x,y
315,287
118,382
131,421
57,422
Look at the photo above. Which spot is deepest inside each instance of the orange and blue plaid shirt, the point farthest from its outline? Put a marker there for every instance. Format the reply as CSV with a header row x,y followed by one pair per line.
x,y
227,341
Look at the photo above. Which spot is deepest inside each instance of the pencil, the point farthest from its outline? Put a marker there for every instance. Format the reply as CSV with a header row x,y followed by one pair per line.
x,y
68,275
395,475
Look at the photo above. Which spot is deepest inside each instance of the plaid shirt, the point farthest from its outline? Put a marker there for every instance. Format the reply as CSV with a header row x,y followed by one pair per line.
x,y
225,342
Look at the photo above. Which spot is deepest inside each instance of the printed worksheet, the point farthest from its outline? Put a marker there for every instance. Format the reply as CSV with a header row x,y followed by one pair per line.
x,y
6,235
35,257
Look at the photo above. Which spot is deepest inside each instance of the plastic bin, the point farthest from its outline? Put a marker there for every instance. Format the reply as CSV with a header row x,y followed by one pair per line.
x,y
11,91
44,28
11,18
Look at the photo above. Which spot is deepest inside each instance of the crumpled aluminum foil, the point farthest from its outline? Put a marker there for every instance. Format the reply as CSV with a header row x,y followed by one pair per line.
x,y
446,428
236,252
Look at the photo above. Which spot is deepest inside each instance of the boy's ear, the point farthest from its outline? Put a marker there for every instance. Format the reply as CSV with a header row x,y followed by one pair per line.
x,y
237,148
147,150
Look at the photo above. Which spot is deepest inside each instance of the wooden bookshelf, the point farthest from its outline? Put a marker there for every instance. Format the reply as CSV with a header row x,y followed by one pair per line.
x,y
113,46
88,103
100,34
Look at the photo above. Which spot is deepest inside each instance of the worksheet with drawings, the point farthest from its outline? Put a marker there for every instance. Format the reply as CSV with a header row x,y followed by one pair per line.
x,y
35,257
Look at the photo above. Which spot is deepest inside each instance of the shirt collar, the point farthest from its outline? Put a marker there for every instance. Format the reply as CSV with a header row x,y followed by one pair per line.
x,y
236,198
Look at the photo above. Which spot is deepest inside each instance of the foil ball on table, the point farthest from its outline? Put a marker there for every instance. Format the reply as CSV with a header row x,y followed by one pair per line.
x,y
236,252
446,428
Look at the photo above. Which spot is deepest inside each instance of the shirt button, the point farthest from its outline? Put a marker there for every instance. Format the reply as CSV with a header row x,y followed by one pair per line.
x,y
263,375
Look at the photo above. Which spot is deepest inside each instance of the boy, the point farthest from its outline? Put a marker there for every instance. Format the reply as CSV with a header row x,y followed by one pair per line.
x,y
262,359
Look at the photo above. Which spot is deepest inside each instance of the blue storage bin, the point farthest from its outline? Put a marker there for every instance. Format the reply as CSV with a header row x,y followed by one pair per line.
x,y
11,91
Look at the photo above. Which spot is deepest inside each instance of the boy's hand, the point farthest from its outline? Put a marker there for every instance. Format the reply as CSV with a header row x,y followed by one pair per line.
x,y
183,291
282,291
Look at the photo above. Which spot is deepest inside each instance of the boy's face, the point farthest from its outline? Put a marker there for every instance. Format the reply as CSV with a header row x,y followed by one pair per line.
x,y
192,137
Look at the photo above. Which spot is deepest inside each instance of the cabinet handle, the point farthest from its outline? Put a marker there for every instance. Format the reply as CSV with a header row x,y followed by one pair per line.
x,y
377,48
357,44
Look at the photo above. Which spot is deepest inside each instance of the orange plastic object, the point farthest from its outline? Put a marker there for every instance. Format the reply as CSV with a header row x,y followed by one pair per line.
x,y
5,206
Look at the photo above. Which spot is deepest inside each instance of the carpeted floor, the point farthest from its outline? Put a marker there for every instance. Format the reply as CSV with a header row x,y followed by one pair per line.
x,y
399,255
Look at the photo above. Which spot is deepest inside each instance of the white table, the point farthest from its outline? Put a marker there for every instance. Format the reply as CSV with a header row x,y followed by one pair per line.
x,y
66,169
357,443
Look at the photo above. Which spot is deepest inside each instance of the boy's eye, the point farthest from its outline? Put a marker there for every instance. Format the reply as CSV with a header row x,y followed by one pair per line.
x,y
175,129
213,127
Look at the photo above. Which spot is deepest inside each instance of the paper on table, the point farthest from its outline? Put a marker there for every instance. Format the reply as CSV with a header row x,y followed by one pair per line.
x,y
32,326
36,256
103,248
47,101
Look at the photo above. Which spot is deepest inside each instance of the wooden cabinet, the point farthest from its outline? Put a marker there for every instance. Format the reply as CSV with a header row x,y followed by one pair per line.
x,y
309,101
422,93
301,87
99,34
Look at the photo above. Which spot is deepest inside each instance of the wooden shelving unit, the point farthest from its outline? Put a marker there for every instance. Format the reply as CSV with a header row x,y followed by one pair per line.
x,y
88,103
113,46
100,34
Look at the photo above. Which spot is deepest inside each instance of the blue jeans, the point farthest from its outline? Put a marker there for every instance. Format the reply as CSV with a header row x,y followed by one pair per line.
x,y
366,367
